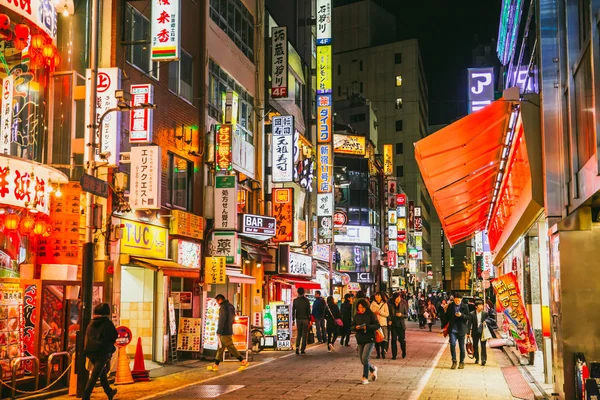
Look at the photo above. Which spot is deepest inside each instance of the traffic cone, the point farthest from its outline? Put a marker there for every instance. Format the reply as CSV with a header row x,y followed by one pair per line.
x,y
140,373
73,379
123,375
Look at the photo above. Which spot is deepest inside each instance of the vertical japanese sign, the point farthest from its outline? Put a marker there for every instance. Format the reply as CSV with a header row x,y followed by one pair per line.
x,y
7,114
223,149
323,22
481,88
388,163
325,172
215,270
279,60
165,30
145,188
324,204
108,136
515,314
226,203
411,214
283,211
283,148
324,113
140,121
324,57
228,245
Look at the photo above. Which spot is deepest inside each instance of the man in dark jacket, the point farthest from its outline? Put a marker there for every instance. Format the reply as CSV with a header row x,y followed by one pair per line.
x,y
347,319
318,311
301,315
457,315
398,314
100,338
225,334
421,308
476,319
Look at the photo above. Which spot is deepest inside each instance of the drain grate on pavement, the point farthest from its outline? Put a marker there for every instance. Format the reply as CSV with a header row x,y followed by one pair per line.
x,y
200,392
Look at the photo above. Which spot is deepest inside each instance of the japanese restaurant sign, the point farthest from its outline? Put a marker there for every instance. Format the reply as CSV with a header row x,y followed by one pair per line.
x,y
283,211
325,168
226,202
7,114
140,120
324,204
187,224
351,145
145,187
165,30
324,118
279,59
388,163
228,245
325,230
323,22
24,185
515,314
283,148
223,149
215,270
324,58
291,263
41,13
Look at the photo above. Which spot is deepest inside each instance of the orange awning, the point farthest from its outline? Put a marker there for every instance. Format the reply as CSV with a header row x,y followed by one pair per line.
x,y
460,164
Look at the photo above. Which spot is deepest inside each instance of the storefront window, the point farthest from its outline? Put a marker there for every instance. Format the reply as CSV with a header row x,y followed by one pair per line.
x,y
352,258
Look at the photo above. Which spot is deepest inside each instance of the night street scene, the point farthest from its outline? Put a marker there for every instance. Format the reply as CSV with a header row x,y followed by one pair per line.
x,y
299,199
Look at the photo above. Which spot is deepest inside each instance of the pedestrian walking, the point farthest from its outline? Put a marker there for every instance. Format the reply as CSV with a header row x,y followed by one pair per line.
x,y
382,312
421,308
366,323
300,316
475,329
225,334
431,313
359,295
332,315
457,316
346,319
318,313
100,337
398,315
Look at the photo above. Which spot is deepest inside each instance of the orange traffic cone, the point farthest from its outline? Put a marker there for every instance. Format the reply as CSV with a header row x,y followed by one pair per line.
x,y
140,373
73,379
123,375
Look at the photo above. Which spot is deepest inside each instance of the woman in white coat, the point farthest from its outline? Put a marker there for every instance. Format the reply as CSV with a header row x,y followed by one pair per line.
x,y
382,312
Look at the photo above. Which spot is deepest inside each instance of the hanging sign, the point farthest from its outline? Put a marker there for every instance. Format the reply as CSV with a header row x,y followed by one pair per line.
x,y
143,240
279,59
388,164
187,224
7,114
258,225
401,200
228,245
348,144
324,118
325,168
323,22
226,202
165,30
324,204
223,149
291,263
140,121
283,148
481,88
325,230
283,211
42,13
146,172
215,270
392,259
324,57
392,217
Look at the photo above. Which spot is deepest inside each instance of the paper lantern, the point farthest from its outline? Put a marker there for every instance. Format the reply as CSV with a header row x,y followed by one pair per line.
x,y
56,60
11,222
49,230
38,41
4,21
48,51
40,227
26,225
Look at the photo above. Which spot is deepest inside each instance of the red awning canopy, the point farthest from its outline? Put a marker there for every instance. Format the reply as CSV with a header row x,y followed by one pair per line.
x,y
460,164
298,282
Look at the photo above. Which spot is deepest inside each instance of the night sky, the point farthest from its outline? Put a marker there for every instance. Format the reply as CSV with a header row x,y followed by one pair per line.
x,y
447,32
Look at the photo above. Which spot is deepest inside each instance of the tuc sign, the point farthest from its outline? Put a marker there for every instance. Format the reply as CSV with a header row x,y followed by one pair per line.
x,y
144,240
258,225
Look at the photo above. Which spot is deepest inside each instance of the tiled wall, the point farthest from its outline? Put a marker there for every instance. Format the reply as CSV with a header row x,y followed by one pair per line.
x,y
137,316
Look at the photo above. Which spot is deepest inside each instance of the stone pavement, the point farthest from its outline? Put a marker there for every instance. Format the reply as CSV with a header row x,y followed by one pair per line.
x,y
424,374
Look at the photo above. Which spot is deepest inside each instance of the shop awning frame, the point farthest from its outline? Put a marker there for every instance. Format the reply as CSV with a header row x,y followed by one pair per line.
x,y
297,281
257,252
169,267
235,276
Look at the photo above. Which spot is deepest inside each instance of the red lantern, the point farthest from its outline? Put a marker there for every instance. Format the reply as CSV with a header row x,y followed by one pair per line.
x,y
26,225
48,232
38,60
11,222
48,51
4,22
56,61
40,227
22,32
38,41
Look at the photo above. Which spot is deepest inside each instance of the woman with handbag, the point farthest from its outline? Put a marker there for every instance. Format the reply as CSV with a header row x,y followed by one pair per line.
x,y
334,322
382,312
366,325
432,311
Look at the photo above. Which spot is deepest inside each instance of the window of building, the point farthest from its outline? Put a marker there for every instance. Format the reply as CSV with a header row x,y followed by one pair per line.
x,y
398,58
399,125
398,103
138,53
399,148
400,171
584,118
358,117
360,65
339,69
181,76
179,182
298,93
398,80
235,19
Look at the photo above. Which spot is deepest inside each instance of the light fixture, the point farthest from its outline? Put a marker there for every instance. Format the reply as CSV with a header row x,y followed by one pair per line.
x,y
247,262
58,192
258,265
65,12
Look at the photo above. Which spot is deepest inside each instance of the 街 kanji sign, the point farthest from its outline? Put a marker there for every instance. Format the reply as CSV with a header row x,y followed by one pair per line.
x,y
146,174
283,148
165,30
215,270
279,57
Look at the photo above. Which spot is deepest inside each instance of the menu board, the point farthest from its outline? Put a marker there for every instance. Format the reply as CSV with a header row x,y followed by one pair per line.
x,y
241,331
182,300
11,326
284,335
211,322
189,335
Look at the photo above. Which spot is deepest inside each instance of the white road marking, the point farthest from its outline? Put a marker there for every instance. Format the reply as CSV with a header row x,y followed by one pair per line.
x,y
425,378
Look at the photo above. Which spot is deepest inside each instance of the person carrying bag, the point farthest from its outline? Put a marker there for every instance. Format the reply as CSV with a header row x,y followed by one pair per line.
x,y
333,316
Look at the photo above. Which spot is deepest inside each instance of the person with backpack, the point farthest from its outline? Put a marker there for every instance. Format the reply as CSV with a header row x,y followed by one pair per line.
x,y
100,337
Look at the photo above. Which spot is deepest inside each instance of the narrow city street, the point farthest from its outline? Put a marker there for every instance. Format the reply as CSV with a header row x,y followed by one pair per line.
x,y
424,374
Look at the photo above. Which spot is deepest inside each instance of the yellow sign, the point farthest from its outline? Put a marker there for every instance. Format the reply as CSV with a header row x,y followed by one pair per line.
x,y
353,145
215,270
144,240
388,162
186,224
401,248
324,69
401,224
419,242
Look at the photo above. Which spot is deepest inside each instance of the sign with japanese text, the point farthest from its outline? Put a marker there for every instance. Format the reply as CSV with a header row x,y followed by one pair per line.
x,y
393,245
418,211
392,217
12,320
401,224
340,218
187,224
324,59
419,242
388,162
393,232
291,263
226,214
325,230
7,114
418,223
257,225
283,211
108,136
140,121
189,253
347,144
401,211
515,315
146,172
321,252
24,185
41,13
283,148
411,214
392,259
94,185
324,22
144,240
324,168
324,118
223,148
165,24
215,270
481,88
228,245
324,204
401,200
279,60
401,248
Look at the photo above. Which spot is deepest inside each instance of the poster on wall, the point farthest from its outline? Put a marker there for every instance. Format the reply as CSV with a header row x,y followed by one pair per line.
x,y
189,334
182,300
284,331
210,340
11,326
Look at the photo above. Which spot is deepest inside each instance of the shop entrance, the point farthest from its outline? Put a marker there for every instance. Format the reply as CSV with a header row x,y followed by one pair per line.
x,y
137,306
